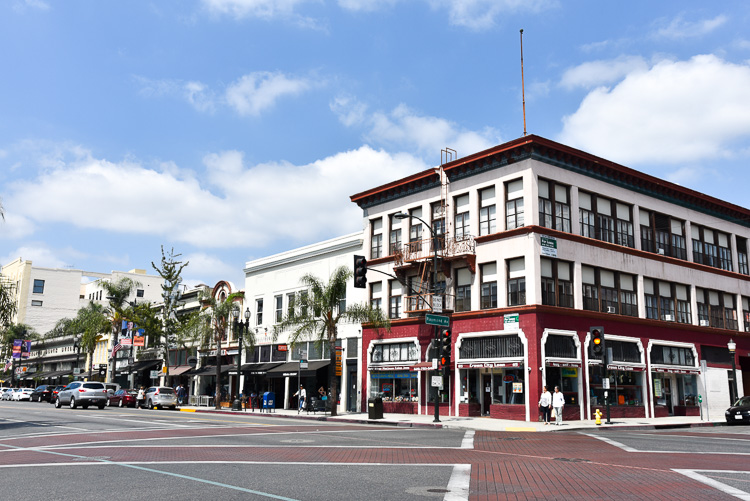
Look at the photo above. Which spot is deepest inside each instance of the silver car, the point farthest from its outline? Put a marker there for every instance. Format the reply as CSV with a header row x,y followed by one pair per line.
x,y
82,393
160,396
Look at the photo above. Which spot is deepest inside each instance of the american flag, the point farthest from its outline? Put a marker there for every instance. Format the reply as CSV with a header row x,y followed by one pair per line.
x,y
115,348
8,364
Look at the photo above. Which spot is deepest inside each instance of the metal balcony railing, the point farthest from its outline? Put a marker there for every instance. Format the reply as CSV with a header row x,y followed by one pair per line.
x,y
447,247
422,303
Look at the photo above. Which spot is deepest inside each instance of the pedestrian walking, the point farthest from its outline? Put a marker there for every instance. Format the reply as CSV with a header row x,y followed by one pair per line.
x,y
253,399
558,402
139,398
302,398
545,404
182,395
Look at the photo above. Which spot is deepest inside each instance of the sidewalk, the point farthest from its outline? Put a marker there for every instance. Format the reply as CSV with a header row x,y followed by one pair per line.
x,y
472,423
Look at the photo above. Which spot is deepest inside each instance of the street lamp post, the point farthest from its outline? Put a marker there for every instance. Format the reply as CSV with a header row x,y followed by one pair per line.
x,y
113,340
438,340
241,327
77,346
732,349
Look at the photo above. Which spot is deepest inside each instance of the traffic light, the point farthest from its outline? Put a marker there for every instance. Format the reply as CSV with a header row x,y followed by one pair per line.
x,y
598,346
360,272
446,348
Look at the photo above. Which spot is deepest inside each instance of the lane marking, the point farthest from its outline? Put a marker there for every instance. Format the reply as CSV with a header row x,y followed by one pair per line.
x,y
468,441
611,442
459,483
727,489
627,448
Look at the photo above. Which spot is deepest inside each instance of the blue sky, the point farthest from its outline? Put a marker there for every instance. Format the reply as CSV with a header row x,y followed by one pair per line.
x,y
235,129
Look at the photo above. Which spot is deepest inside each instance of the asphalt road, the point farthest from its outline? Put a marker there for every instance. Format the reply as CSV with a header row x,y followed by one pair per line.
x,y
48,453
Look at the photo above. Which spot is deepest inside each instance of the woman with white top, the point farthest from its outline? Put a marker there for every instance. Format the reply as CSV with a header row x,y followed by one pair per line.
x,y
545,404
558,402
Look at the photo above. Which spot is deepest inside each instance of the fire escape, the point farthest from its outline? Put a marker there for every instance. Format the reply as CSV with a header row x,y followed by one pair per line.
x,y
450,246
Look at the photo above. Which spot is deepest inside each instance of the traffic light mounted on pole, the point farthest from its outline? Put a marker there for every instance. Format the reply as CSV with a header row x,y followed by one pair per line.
x,y
598,345
445,349
360,272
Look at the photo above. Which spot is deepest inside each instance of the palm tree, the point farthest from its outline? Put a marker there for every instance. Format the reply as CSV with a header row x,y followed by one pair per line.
x,y
117,294
318,312
219,320
91,323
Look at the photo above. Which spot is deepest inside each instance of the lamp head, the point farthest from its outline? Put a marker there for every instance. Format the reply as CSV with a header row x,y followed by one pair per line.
x,y
247,313
732,346
401,215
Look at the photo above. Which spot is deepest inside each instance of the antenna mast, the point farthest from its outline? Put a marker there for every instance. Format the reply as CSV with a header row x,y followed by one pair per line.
x,y
523,92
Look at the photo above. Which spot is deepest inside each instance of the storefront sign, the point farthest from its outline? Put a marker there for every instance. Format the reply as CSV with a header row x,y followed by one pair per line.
x,y
484,365
212,353
674,370
625,368
517,387
393,375
391,368
282,347
657,388
570,372
510,322
563,364
549,246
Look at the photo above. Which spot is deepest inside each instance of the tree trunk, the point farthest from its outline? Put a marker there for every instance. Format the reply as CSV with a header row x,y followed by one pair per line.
x,y
332,382
217,396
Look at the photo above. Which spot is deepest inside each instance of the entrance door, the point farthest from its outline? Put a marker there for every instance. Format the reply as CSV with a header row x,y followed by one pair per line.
x,y
486,394
351,401
668,394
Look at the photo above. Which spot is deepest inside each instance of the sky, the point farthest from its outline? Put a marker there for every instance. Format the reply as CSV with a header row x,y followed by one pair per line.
x,y
230,130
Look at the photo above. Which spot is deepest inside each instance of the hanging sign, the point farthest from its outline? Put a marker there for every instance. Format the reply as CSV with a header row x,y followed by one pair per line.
x,y
549,246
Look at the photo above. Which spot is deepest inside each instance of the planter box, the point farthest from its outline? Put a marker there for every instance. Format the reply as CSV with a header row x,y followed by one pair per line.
x,y
400,407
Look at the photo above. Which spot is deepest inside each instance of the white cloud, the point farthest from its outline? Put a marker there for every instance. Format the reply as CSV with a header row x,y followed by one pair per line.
x,y
480,15
596,73
263,9
253,93
365,5
404,128
21,5
199,96
40,256
675,112
203,267
679,28
233,205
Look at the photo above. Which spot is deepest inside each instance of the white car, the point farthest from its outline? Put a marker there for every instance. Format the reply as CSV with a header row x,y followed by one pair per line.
x,y
22,394
6,394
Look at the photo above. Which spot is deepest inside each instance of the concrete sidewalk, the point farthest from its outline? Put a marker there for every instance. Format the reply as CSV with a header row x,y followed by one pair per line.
x,y
471,423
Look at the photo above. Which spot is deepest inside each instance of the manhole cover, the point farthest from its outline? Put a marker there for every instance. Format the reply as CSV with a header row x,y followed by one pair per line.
x,y
429,492
572,460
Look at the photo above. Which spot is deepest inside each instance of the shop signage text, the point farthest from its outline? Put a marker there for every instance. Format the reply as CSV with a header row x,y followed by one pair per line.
x,y
483,365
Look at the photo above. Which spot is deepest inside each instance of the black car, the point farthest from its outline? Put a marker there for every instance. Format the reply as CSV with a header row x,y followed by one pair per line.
x,y
739,412
42,393
53,392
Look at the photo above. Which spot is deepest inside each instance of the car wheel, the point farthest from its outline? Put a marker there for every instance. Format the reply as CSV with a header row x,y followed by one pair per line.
x,y
150,405
109,403
119,404
58,404
102,406
174,407
72,403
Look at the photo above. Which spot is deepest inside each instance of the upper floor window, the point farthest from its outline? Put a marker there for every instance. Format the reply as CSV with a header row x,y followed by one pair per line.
x,y
376,238
662,234
716,309
376,295
462,217
746,312
711,247
514,217
394,309
139,292
487,222
415,226
742,256
394,240
557,283
516,282
438,225
38,286
667,301
609,291
394,352
258,312
605,219
554,205
278,308
488,298
463,290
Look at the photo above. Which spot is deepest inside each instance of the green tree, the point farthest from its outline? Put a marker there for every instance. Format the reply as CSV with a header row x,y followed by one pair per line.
x,y
317,313
171,271
117,294
91,323
7,302
218,316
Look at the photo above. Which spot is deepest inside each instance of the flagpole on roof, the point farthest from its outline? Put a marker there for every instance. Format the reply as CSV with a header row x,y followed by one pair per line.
x,y
523,92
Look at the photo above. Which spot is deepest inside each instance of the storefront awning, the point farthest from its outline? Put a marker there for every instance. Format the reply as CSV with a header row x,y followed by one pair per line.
x,y
422,366
202,371
484,365
177,370
677,370
292,369
139,366
259,369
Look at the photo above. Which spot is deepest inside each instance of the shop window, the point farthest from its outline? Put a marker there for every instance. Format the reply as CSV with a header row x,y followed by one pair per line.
x,y
625,387
278,355
662,234
565,378
514,213
487,220
554,205
394,386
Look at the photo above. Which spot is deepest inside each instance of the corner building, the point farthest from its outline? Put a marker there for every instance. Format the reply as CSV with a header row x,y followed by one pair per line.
x,y
535,244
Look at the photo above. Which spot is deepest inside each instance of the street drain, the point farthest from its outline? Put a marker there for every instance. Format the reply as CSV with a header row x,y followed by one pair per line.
x,y
572,460
430,492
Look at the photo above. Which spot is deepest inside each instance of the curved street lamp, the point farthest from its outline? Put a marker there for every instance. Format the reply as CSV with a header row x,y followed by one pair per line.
x,y
240,327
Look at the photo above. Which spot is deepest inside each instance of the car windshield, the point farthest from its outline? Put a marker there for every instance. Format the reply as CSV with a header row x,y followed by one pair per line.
x,y
742,402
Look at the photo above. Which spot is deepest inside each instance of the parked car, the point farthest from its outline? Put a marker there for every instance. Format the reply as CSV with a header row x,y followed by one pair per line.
x,y
42,393
54,392
22,394
123,398
739,412
111,388
83,394
160,396
6,394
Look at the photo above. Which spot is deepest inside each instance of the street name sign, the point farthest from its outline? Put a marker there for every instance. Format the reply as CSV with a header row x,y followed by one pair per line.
x,y
438,320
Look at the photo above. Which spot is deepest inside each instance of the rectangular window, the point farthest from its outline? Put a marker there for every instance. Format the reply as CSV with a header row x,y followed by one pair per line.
x,y
394,239
462,217
278,308
376,238
514,215
605,219
661,234
415,226
487,220
36,302
258,312
711,247
609,291
516,282
438,226
554,205
394,310
376,295
742,261
290,304
488,298
463,289
38,286
139,293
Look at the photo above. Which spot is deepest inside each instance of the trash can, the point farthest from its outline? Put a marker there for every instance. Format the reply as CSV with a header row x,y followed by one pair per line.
x,y
237,405
269,401
375,408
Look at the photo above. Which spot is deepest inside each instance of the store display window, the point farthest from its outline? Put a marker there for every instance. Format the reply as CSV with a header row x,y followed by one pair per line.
x,y
625,387
394,386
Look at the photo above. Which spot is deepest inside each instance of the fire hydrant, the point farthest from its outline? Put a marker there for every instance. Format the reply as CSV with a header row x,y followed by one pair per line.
x,y
598,415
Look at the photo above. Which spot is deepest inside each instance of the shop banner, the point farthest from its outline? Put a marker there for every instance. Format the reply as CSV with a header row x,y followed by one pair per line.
x,y
625,368
675,370
563,364
485,365
393,375
139,338
21,348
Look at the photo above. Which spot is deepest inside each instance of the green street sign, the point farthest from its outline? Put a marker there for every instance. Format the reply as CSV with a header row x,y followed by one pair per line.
x,y
438,320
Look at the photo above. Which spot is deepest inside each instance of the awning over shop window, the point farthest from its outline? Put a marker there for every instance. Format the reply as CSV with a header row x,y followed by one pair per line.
x,y
422,366
177,370
292,368
139,366
259,369
202,371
